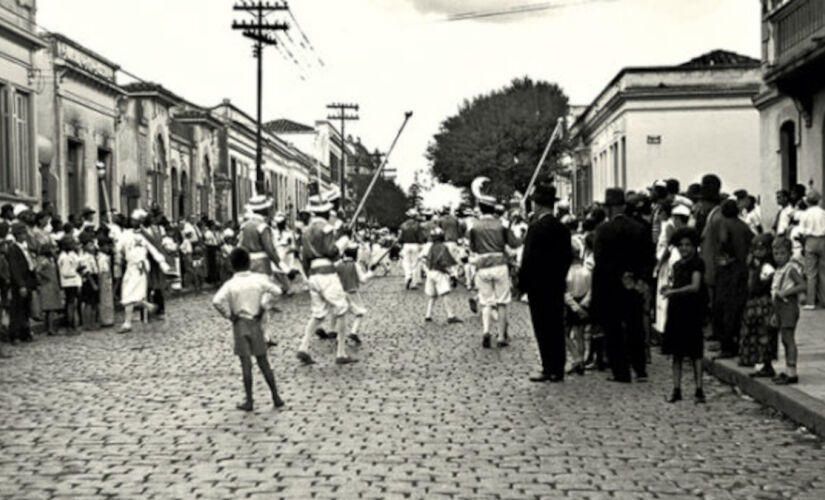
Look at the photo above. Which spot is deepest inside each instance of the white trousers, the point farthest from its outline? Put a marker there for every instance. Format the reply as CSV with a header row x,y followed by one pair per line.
x,y
410,253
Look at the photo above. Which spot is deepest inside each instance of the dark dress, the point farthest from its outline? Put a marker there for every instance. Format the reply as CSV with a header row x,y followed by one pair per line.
x,y
758,339
686,313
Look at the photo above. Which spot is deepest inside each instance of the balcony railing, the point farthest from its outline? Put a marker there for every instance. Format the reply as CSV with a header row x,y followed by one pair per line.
x,y
797,24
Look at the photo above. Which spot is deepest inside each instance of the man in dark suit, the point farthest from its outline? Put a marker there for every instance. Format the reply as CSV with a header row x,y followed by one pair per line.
x,y
23,283
546,259
624,258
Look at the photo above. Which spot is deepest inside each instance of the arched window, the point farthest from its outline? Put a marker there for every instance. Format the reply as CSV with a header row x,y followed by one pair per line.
x,y
787,151
158,173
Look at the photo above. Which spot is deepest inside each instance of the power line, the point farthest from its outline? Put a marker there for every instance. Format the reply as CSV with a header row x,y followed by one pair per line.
x,y
518,9
305,37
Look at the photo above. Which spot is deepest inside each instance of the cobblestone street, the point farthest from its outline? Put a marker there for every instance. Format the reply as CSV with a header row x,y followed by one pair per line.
x,y
426,414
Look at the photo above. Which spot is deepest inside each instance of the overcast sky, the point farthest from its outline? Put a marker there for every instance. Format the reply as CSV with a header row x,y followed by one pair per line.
x,y
396,55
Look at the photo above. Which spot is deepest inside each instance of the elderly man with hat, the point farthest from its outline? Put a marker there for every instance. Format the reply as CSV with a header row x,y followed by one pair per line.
x,y
23,283
624,259
327,295
489,240
409,236
812,229
545,261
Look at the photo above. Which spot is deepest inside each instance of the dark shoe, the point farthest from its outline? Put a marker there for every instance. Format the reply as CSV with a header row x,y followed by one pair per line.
x,y
502,343
354,338
766,371
278,402
473,305
332,335
454,321
785,379
321,333
620,380
546,377
485,343
675,396
245,406
453,282
271,343
428,320
409,284
305,358
699,397
345,360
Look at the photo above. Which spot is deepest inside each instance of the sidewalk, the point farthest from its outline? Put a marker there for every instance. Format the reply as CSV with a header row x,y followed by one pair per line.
x,y
805,402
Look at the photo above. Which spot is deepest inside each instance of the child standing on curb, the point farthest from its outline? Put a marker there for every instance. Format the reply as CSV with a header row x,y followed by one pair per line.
x,y
68,264
241,300
439,261
785,289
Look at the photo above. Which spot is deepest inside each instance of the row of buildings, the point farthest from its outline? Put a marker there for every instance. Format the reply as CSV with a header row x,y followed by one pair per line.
x,y
758,124
72,135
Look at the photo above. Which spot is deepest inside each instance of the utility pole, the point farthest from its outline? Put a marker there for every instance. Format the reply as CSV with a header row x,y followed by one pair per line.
x,y
262,33
344,118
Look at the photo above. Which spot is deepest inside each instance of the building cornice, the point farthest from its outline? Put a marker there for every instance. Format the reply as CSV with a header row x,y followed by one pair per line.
x,y
22,36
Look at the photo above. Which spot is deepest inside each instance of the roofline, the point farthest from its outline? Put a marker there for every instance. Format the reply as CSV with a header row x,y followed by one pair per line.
x,y
68,41
659,69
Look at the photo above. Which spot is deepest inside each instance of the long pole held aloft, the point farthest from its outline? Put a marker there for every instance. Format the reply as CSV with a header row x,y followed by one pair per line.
x,y
553,137
375,176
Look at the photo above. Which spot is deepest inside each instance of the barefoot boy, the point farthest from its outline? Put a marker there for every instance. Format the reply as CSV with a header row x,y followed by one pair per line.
x,y
240,300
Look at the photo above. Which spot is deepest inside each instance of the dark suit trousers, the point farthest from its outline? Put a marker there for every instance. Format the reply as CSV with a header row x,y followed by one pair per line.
x,y
729,305
547,313
625,335
19,326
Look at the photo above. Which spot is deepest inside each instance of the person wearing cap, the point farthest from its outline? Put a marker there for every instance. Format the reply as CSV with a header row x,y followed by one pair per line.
x,y
546,260
489,240
623,258
22,283
409,236
327,295
666,256
812,229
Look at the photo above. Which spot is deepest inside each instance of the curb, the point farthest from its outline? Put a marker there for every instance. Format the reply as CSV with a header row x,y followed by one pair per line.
x,y
793,403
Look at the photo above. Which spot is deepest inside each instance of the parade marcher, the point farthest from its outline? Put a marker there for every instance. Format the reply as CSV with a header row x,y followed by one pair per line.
x,y
439,263
241,300
409,237
326,293
489,240
352,275
453,231
685,313
623,255
255,236
158,260
546,260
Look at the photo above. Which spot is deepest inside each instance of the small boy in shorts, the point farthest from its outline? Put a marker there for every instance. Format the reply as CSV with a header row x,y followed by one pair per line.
x,y
242,300
439,261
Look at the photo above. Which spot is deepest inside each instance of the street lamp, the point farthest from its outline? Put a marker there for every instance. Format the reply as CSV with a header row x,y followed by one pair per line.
x,y
101,177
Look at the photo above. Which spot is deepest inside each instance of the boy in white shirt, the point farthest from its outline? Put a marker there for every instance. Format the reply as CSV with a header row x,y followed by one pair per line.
x,y
242,300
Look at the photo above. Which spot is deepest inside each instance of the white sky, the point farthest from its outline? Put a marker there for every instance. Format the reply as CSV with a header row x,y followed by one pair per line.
x,y
396,55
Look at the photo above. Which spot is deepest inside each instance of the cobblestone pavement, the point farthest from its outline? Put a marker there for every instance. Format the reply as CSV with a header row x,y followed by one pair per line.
x,y
426,414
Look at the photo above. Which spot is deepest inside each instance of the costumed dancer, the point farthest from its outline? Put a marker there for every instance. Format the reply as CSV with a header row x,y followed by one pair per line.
x,y
326,293
489,240
255,236
352,274
409,237
439,262
453,230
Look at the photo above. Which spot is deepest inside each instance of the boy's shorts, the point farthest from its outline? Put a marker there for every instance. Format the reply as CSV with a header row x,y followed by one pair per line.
x,y
437,284
249,338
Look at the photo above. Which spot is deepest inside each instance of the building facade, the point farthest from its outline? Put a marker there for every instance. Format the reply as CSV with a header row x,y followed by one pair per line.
x,y
677,122
792,100
78,110
20,81
168,148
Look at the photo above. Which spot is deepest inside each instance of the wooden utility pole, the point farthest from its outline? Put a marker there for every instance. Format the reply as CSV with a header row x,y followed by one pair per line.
x,y
262,33
344,117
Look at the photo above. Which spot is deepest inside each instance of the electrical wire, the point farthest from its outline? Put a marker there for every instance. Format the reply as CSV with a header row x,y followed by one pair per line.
x,y
518,9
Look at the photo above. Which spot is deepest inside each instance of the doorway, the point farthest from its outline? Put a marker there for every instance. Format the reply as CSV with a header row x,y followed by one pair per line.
x,y
74,176
787,148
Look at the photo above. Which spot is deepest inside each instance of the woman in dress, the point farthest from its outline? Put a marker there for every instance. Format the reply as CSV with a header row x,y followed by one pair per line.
x,y
133,251
51,301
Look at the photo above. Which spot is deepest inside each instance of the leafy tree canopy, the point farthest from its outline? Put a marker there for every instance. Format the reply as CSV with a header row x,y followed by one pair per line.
x,y
387,203
500,135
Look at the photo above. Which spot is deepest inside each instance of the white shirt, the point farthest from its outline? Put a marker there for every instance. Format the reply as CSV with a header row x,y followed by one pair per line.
x,y
784,222
243,294
812,221
754,219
